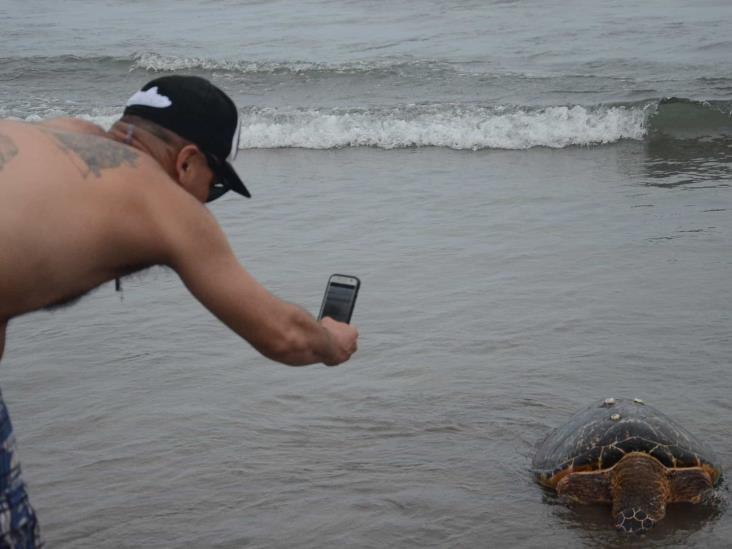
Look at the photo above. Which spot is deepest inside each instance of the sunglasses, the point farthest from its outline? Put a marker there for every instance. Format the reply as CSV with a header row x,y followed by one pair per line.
x,y
216,190
219,188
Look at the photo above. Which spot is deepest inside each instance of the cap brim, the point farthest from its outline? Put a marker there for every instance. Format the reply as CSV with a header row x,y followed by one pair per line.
x,y
226,179
225,174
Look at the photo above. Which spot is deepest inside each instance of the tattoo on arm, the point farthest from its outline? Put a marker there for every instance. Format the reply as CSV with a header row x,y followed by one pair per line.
x,y
98,154
8,150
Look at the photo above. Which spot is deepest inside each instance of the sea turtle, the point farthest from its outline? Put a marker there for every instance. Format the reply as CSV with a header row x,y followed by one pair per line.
x,y
629,454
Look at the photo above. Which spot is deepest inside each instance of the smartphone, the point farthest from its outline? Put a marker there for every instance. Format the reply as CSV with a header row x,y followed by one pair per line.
x,y
340,297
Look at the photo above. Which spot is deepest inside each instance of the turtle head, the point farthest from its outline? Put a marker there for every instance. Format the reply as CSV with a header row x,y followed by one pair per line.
x,y
633,521
640,491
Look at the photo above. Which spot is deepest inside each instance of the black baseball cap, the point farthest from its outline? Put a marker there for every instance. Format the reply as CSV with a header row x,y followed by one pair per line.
x,y
201,113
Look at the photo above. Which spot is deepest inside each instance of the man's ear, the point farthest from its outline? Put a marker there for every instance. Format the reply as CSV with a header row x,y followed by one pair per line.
x,y
190,167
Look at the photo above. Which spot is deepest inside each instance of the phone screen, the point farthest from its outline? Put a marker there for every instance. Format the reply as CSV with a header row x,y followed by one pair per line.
x,y
339,300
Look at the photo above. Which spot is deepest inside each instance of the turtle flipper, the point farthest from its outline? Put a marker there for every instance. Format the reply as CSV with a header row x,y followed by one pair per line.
x,y
689,484
590,487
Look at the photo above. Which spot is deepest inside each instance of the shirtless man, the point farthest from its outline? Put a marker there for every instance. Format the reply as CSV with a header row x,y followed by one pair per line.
x,y
105,204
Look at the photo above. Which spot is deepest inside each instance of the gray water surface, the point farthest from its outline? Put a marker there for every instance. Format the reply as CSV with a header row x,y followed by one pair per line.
x,y
501,291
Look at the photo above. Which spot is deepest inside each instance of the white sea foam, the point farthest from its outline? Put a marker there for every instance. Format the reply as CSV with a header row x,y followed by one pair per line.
x,y
166,63
453,126
105,121
442,126
155,62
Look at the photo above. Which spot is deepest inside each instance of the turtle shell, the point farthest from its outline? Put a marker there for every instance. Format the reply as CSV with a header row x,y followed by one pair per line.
x,y
597,437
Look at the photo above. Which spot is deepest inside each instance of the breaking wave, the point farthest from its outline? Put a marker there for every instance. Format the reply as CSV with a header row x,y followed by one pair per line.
x,y
476,127
453,126
680,118
155,62
467,125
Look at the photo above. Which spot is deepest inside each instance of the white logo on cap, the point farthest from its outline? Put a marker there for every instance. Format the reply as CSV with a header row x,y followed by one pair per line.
x,y
149,98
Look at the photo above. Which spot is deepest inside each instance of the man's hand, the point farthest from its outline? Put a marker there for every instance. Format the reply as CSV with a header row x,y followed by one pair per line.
x,y
343,338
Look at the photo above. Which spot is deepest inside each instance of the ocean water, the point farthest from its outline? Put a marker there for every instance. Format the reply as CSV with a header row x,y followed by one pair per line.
x,y
536,196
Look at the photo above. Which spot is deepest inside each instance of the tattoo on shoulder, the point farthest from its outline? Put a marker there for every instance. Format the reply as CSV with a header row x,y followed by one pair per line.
x,y
8,150
98,154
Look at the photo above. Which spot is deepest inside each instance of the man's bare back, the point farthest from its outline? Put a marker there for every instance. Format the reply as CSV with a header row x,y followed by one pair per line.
x,y
79,208
63,208
54,227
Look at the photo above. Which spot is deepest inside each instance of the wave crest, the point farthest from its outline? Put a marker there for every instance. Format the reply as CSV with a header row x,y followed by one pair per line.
x,y
456,127
155,62
686,119
469,127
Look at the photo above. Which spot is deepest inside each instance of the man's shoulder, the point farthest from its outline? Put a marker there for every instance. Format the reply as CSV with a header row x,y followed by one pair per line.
x,y
75,125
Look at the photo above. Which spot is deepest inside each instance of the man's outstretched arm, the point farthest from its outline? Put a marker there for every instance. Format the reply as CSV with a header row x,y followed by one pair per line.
x,y
280,331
